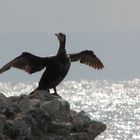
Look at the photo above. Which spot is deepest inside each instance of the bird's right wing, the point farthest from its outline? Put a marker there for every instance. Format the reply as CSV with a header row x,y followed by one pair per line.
x,y
27,62
87,57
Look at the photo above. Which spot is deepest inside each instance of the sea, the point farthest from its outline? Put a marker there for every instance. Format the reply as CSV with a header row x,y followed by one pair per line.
x,y
115,103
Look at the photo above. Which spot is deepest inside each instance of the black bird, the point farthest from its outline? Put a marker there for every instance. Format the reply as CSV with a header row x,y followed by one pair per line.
x,y
56,67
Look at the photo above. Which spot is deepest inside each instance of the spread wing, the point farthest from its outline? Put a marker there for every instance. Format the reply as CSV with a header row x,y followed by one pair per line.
x,y
87,57
27,62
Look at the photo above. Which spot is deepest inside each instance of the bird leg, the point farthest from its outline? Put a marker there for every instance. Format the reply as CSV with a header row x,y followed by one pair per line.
x,y
55,92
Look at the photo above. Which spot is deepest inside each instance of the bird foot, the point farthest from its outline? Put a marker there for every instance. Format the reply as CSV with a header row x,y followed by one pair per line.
x,y
32,94
55,94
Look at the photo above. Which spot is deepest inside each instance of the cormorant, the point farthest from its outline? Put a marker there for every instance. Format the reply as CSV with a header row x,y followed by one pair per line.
x,y
56,67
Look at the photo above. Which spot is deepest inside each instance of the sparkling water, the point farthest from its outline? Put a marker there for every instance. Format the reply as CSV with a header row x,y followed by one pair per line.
x,y
115,103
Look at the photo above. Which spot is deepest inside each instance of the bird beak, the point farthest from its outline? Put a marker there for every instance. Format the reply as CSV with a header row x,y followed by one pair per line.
x,y
56,34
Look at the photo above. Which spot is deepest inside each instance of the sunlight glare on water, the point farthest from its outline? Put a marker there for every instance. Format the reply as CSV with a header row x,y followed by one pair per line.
x,y
115,103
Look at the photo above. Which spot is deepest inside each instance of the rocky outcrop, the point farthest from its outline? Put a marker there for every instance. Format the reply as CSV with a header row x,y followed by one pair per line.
x,y
44,117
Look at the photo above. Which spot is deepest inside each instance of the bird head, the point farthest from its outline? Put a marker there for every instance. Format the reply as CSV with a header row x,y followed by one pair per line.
x,y
61,37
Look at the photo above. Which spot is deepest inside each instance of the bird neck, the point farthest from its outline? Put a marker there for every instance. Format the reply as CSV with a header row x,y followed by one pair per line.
x,y
62,43
62,50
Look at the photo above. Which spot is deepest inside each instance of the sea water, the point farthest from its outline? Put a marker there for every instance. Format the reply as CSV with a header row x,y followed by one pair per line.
x,y
115,103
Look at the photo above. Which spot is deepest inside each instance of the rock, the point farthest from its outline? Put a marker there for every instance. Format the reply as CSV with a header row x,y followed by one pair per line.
x,y
2,122
64,111
3,137
34,102
80,120
79,136
41,118
95,128
10,130
44,117
10,111
23,130
51,106
24,103
60,128
3,100
43,95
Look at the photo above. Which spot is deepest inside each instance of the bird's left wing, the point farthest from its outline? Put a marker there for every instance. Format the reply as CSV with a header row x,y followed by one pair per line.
x,y
87,57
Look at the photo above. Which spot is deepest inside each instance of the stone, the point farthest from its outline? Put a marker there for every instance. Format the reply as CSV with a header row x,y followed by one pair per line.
x,y
10,130
96,128
3,137
44,117
64,111
24,103
60,128
34,102
79,136
3,100
23,130
10,111
50,107
80,120
2,122
43,95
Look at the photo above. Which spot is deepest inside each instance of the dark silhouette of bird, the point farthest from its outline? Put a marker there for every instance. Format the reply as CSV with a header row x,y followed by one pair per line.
x,y
56,67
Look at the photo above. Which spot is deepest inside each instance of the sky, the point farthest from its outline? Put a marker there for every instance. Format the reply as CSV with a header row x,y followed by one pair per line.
x,y
110,28
69,16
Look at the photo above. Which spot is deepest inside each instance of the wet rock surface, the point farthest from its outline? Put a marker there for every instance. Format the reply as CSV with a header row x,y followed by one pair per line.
x,y
44,117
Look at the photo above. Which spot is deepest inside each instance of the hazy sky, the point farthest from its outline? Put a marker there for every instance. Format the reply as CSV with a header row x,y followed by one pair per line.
x,y
69,16
111,28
